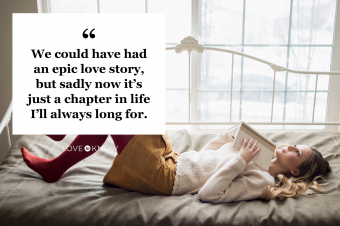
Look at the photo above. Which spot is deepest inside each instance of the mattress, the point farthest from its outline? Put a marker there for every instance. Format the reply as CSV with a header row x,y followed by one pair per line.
x,y
81,198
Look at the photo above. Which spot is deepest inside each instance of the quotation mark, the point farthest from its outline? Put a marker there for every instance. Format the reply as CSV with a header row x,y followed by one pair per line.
x,y
86,35
87,148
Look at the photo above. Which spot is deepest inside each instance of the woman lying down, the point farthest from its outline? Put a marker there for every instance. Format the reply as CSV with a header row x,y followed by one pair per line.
x,y
218,173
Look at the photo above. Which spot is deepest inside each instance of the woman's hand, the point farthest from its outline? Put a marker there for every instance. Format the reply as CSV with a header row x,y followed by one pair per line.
x,y
248,150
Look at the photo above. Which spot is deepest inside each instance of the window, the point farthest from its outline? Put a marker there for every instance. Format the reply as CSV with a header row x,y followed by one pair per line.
x,y
294,34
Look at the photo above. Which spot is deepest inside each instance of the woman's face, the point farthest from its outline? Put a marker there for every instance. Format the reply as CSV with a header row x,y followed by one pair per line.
x,y
291,157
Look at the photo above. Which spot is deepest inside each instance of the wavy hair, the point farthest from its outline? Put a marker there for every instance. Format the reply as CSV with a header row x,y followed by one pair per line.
x,y
311,171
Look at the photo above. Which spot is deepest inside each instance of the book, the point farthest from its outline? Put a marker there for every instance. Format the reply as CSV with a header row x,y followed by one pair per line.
x,y
264,157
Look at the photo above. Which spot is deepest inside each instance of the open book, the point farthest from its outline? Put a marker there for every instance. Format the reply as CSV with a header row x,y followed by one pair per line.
x,y
264,157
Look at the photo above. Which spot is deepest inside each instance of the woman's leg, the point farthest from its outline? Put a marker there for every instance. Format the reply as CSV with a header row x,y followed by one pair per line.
x,y
56,137
121,141
52,169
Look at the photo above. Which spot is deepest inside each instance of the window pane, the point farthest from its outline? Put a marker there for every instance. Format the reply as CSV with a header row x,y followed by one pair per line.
x,y
235,117
257,75
267,22
178,17
280,80
119,6
310,58
213,106
215,70
177,106
299,108
321,107
256,106
237,68
74,6
272,54
313,22
301,81
220,22
177,70
278,110
323,82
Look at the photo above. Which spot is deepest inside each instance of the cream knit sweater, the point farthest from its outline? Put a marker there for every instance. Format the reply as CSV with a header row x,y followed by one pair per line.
x,y
218,174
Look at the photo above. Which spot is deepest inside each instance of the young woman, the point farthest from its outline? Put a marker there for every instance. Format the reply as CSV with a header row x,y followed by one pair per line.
x,y
218,173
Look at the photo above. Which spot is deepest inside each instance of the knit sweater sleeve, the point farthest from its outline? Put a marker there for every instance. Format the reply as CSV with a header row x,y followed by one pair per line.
x,y
223,186
218,141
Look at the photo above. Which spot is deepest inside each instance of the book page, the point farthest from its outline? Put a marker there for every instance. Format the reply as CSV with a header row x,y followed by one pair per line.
x,y
263,158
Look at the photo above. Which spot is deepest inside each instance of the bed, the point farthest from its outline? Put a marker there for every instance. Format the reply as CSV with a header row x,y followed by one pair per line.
x,y
81,197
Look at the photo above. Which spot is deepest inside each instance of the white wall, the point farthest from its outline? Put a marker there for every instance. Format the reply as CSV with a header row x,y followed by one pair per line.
x,y
7,7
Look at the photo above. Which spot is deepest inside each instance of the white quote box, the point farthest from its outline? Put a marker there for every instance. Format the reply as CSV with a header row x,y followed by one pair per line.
x,y
126,57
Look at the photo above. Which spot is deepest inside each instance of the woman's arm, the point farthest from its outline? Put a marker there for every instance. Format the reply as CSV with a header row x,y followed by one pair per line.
x,y
218,141
222,188
218,185
222,185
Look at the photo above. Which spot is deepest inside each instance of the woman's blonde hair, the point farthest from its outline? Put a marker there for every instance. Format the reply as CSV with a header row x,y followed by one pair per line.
x,y
287,185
